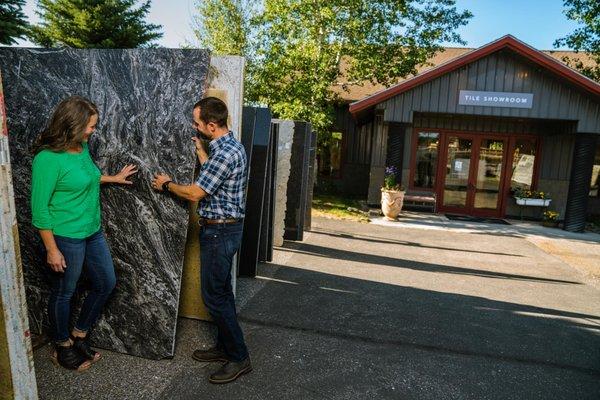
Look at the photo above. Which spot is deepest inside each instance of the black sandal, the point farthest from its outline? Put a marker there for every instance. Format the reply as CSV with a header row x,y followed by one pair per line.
x,y
69,358
83,347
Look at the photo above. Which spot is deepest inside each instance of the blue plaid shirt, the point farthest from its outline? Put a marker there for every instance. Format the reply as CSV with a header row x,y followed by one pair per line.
x,y
223,178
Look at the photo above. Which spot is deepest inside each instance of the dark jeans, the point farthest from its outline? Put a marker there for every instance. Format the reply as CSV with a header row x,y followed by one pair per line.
x,y
92,256
218,245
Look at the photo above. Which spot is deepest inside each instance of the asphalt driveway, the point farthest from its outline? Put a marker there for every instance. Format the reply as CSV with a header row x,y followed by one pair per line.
x,y
365,311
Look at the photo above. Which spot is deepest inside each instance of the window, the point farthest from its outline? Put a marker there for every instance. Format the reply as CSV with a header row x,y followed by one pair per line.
x,y
594,190
523,164
426,159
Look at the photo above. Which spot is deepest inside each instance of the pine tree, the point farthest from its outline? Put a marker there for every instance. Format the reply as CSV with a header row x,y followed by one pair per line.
x,y
113,24
13,24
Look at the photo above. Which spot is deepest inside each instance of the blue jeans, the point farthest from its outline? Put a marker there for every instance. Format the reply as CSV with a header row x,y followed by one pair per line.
x,y
218,245
92,257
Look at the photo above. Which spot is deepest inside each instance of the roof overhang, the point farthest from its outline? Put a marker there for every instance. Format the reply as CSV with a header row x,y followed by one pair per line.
x,y
505,42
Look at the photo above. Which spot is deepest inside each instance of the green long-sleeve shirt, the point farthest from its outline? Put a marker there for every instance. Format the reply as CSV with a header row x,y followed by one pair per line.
x,y
65,193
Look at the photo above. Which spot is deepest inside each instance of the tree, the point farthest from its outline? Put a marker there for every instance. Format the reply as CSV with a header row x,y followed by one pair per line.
x,y
297,46
13,24
94,24
223,26
586,38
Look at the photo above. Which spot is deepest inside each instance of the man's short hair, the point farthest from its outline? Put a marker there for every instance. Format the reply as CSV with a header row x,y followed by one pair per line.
x,y
212,109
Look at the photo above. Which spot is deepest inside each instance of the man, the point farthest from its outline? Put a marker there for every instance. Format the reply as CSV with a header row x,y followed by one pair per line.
x,y
220,189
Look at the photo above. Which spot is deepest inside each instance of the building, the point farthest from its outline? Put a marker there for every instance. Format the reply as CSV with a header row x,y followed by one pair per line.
x,y
469,131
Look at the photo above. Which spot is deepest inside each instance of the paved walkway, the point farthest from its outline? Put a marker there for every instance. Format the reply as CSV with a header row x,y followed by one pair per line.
x,y
368,311
580,250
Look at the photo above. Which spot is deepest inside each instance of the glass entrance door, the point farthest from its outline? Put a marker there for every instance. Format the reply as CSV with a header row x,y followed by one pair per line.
x,y
473,178
490,172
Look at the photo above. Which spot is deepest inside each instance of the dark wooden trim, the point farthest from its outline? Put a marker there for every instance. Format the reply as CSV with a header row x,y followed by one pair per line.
x,y
509,42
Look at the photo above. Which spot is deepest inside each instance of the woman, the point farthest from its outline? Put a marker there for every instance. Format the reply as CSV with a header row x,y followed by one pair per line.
x,y
65,205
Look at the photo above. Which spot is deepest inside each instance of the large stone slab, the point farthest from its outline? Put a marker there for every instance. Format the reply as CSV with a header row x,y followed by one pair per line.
x,y
225,81
145,98
265,249
227,74
284,153
259,126
298,182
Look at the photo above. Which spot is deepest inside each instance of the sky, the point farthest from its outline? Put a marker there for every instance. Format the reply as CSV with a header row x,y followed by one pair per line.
x,y
536,22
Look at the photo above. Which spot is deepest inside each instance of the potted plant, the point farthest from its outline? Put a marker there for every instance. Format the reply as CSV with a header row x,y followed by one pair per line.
x,y
550,219
392,195
526,197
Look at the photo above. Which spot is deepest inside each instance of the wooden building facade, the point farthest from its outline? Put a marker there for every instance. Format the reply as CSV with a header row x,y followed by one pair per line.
x,y
473,130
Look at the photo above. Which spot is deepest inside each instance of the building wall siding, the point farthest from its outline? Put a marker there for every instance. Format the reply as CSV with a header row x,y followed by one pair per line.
x,y
378,159
356,156
557,157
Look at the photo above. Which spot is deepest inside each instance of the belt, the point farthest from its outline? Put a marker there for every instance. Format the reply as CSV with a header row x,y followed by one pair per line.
x,y
206,221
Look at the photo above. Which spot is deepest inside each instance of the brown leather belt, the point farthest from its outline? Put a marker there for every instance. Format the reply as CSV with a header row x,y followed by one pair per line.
x,y
206,221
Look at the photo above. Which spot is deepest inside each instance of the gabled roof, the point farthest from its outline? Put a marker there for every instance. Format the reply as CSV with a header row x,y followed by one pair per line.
x,y
505,42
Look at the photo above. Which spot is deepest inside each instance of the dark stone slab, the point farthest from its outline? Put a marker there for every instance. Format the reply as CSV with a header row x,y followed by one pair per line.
x,y
312,156
260,121
265,251
295,212
246,138
145,97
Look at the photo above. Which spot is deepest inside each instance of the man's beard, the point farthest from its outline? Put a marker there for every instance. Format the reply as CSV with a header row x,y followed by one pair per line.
x,y
203,136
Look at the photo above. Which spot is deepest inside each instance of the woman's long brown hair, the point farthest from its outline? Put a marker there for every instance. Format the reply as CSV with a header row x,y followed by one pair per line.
x,y
67,125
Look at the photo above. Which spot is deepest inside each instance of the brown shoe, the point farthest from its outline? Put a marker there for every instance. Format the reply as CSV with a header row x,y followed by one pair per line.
x,y
231,371
210,355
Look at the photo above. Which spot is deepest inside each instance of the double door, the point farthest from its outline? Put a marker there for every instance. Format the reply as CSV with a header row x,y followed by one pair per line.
x,y
473,172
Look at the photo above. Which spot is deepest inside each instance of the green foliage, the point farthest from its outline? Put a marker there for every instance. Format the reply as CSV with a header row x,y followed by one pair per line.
x,y
551,215
585,38
524,193
223,26
295,47
389,180
94,24
13,23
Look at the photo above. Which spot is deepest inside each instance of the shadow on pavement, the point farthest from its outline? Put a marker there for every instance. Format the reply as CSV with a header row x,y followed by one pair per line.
x,y
314,335
326,252
375,239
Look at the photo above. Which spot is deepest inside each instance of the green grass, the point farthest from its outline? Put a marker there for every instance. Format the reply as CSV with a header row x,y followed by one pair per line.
x,y
337,207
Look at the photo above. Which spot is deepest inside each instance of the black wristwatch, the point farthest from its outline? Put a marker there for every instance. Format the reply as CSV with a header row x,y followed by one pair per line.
x,y
165,186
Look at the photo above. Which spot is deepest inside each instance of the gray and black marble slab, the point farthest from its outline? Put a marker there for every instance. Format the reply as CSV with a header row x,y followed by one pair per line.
x,y
145,99
259,123
265,251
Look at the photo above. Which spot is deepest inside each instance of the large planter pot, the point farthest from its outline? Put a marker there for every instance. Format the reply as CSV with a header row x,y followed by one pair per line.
x,y
523,201
391,203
